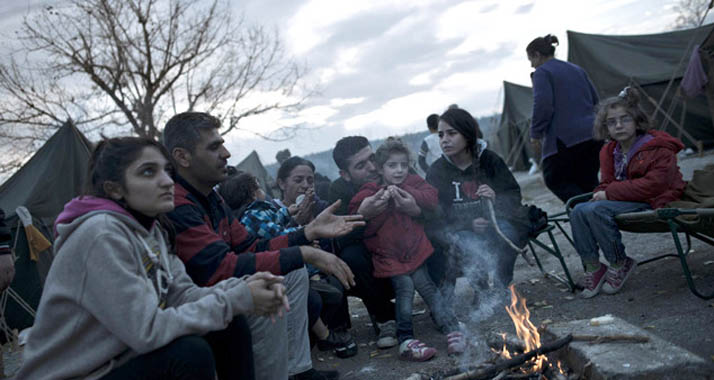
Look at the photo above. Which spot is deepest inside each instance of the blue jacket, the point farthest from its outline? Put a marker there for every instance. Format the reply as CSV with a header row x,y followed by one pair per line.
x,y
564,102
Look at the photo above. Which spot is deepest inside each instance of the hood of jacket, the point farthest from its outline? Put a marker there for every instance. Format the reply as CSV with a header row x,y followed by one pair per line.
x,y
663,140
82,208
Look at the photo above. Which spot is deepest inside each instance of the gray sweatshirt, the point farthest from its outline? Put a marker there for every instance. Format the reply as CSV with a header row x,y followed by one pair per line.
x,y
99,307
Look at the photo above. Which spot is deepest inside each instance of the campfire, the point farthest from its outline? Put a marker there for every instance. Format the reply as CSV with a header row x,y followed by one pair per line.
x,y
522,358
539,366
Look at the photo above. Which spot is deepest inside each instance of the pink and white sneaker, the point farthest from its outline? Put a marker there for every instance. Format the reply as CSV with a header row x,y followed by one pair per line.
x,y
616,277
456,343
415,351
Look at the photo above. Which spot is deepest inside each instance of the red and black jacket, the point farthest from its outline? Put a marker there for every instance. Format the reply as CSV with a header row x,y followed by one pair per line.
x,y
214,245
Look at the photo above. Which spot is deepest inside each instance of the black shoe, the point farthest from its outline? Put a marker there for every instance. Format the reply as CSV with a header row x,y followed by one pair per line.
x,y
313,374
341,342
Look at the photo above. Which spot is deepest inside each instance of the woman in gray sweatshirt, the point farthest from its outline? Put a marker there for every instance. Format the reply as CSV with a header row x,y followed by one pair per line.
x,y
117,304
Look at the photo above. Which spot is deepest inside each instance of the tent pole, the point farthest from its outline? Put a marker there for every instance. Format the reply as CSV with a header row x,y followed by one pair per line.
x,y
674,72
514,149
686,134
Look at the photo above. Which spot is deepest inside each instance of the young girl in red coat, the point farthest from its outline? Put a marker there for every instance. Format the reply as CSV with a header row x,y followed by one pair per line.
x,y
400,247
638,169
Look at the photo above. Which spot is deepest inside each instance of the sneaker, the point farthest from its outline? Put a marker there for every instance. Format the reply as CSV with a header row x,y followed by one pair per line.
x,y
341,342
456,343
416,351
387,334
616,277
593,282
313,374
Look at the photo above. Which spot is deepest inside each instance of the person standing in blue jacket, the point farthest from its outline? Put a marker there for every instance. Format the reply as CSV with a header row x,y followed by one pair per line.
x,y
564,102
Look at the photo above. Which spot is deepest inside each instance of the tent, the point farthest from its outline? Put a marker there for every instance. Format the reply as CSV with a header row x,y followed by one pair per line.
x,y
706,55
512,134
648,63
252,165
52,177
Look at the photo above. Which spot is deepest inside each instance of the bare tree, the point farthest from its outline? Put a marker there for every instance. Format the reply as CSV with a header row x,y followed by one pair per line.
x,y
691,13
133,63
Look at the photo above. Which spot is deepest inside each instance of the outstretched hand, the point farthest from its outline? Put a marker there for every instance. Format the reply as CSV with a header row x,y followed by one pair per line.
x,y
328,263
328,225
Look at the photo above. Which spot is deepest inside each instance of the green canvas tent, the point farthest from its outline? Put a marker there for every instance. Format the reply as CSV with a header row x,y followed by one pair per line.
x,y
648,63
53,176
252,165
512,132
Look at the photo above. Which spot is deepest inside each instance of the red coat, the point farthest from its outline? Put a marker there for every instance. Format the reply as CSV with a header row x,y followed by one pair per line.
x,y
397,242
652,172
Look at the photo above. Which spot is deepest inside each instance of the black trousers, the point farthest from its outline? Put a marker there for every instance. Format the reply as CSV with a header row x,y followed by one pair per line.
x,y
227,353
572,171
376,293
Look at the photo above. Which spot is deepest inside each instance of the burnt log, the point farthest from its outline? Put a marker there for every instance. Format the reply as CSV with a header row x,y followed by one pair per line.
x,y
516,361
597,339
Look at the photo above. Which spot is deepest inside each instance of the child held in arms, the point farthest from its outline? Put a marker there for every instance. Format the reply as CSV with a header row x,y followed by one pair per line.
x,y
639,172
265,218
399,246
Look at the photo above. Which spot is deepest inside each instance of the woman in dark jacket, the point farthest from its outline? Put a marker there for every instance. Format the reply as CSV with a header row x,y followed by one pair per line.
x,y
468,177
564,102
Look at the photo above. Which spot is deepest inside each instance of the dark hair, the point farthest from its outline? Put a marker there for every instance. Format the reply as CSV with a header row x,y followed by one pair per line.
x,y
462,121
184,130
629,99
346,148
282,155
432,122
110,159
545,46
291,163
238,190
393,145
109,162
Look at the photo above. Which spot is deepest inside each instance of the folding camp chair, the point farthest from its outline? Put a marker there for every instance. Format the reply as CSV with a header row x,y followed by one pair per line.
x,y
697,222
554,221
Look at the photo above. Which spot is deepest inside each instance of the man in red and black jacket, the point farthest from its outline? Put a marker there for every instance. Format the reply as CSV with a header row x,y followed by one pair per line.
x,y
215,246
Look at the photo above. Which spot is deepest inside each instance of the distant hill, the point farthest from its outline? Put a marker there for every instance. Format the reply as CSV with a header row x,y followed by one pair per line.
x,y
325,165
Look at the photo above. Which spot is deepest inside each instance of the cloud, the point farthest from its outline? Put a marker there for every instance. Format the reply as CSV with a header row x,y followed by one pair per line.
x,y
398,112
338,102
525,8
383,65
489,8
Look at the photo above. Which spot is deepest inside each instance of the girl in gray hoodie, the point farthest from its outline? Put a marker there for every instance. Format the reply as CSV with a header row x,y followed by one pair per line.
x,y
116,304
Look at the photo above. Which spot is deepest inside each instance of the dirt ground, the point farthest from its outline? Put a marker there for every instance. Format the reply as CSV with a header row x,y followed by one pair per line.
x,y
655,298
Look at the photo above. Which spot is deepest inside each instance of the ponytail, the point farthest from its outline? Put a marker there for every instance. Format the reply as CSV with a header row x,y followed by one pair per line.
x,y
544,46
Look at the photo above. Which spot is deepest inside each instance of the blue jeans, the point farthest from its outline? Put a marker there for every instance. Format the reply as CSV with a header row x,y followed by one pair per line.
x,y
404,286
593,225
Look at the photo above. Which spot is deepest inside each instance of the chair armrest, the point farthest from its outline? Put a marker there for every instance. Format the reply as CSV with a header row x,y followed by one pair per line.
x,y
570,204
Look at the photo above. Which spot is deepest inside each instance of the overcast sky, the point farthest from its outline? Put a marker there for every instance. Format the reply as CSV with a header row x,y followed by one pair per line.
x,y
384,65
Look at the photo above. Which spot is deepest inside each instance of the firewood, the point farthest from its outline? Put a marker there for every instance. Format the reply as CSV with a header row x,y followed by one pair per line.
x,y
516,361
597,339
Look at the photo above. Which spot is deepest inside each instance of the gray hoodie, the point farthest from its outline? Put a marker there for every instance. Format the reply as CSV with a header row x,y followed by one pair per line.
x,y
99,307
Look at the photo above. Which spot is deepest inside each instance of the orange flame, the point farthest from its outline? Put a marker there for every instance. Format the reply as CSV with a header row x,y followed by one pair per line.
x,y
525,329
504,353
